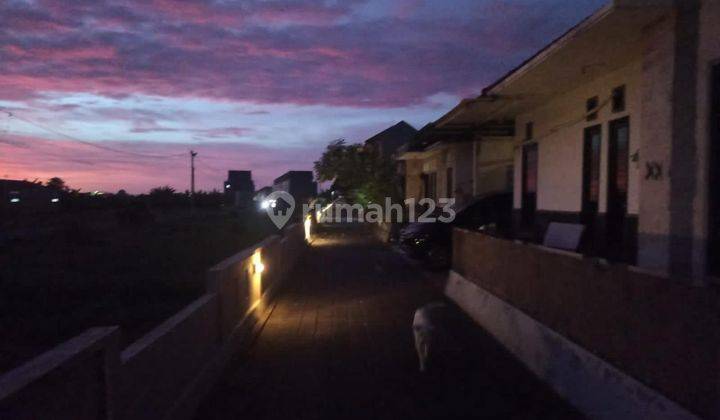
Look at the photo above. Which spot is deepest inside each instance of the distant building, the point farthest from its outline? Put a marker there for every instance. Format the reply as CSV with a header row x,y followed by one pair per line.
x,y
239,188
388,141
299,184
447,161
15,194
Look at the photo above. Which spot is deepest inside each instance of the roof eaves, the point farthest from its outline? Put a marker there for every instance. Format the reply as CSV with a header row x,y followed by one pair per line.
x,y
547,50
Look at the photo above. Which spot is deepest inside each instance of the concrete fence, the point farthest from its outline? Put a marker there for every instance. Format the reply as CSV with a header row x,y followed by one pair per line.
x,y
166,373
594,330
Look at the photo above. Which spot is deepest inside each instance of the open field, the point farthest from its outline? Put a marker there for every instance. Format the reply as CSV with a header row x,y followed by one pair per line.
x,y
63,273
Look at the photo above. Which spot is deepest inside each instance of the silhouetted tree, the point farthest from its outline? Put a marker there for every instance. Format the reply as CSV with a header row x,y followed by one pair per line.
x,y
166,196
162,191
56,183
365,175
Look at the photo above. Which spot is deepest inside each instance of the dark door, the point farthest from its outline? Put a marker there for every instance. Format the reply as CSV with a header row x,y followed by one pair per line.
x,y
529,184
591,184
618,165
713,259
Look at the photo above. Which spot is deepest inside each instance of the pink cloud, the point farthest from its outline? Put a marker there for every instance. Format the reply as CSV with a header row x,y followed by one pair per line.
x,y
301,52
97,169
220,50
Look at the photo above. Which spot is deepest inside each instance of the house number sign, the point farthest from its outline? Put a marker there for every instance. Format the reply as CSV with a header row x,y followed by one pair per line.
x,y
653,170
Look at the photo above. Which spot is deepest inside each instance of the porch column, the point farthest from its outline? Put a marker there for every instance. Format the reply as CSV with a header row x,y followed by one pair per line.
x,y
668,152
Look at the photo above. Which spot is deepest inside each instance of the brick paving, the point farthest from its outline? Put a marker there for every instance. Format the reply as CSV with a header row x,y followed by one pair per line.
x,y
339,345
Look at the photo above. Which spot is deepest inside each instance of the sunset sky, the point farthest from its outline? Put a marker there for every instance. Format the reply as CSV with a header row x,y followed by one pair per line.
x,y
113,94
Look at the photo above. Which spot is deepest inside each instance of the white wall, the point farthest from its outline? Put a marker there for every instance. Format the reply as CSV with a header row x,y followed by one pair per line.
x,y
463,172
457,156
559,130
493,164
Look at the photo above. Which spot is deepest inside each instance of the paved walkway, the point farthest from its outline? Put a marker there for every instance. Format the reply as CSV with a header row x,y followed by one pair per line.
x,y
339,346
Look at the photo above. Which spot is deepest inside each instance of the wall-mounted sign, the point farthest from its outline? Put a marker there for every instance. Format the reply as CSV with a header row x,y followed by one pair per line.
x,y
653,170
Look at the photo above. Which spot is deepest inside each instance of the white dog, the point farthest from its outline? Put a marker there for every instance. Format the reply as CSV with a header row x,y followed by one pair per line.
x,y
429,331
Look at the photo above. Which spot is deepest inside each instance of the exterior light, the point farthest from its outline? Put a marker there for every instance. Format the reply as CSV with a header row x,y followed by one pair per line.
x,y
257,264
54,200
265,204
308,225
259,267
256,288
227,186
15,200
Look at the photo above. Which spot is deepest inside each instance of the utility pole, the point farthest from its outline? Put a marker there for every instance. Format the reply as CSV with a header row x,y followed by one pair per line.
x,y
192,175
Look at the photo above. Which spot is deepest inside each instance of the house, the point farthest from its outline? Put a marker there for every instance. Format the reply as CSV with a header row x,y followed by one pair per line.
x,y
613,130
458,161
239,188
616,128
299,184
388,141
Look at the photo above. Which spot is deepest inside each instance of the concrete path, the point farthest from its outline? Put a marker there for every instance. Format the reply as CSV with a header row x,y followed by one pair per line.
x,y
339,346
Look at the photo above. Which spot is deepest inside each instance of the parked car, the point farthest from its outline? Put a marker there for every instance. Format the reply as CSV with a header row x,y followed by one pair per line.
x,y
432,242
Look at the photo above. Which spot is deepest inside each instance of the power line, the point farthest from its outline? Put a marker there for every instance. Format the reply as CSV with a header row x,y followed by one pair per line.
x,y
205,165
11,114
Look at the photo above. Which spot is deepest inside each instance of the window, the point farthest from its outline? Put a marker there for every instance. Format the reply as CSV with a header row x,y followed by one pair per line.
x,y
591,173
618,99
529,131
591,106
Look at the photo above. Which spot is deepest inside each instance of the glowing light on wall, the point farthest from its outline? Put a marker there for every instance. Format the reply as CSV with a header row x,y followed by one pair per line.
x,y
257,267
54,200
14,200
308,225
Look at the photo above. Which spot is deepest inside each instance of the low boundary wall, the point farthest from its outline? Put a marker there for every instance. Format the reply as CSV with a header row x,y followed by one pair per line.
x,y
662,333
166,373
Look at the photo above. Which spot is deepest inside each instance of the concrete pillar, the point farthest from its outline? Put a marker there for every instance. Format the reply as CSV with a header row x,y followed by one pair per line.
x,y
668,122
464,173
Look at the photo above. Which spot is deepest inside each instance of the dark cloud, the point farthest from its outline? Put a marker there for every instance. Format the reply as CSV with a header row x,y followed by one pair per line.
x,y
301,52
367,54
